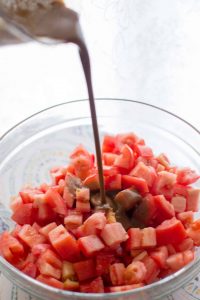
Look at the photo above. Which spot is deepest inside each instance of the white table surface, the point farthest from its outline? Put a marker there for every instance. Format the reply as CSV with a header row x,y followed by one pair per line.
x,y
140,49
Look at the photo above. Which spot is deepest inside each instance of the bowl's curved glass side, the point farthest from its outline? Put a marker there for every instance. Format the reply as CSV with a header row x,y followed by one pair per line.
x,y
29,150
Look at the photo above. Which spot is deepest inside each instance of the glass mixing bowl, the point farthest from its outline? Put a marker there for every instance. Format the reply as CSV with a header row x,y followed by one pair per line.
x,y
44,140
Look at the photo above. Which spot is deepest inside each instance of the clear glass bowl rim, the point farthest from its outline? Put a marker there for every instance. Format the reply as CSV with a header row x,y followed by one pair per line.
x,y
55,291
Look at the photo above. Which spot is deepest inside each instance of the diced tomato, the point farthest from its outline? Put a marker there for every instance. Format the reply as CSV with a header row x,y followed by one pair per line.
x,y
68,197
152,269
28,194
146,172
148,237
171,249
57,174
164,209
94,286
113,234
129,139
94,224
110,171
179,203
16,230
49,264
103,262
38,249
135,273
82,166
186,218
83,195
193,231
186,244
109,158
160,255
163,160
113,182
193,199
30,269
73,221
140,255
64,243
46,229
144,151
24,214
186,176
179,189
117,273
90,245
109,143
170,231
83,207
164,183
45,213
179,260
134,239
85,269
160,168
51,281
116,289
126,159
138,183
54,199
10,247
30,236
36,226
16,202
146,210
92,182
71,285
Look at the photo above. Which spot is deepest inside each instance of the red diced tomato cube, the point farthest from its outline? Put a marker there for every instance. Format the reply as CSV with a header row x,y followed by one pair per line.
x,y
83,207
144,151
186,218
164,209
135,273
30,269
152,269
30,236
186,176
51,281
113,182
160,255
92,182
82,166
186,244
170,231
163,160
10,247
24,214
85,269
103,262
193,199
83,195
109,143
134,239
64,243
94,224
55,201
138,183
140,256
90,244
46,229
175,261
117,273
179,203
27,194
148,173
94,286
38,249
73,221
109,158
68,197
164,183
126,159
36,226
57,174
148,237
113,234
16,202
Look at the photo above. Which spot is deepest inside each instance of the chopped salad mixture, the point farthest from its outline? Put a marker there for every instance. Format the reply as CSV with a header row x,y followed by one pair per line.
x,y
67,238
